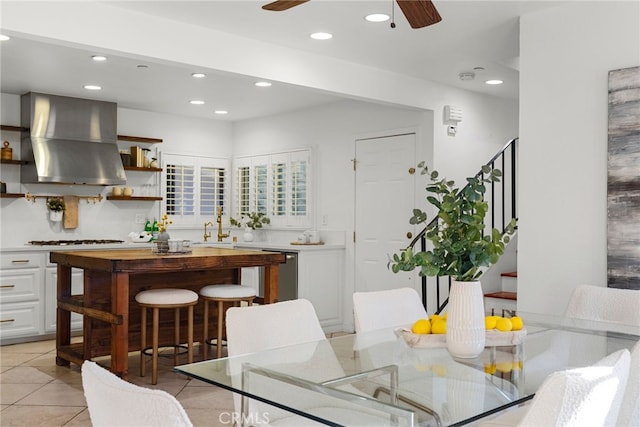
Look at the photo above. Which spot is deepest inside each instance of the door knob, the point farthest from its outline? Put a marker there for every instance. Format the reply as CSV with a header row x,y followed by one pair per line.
x,y
409,235
412,171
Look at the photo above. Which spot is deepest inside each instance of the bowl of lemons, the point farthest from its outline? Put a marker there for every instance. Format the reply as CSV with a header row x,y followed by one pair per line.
x,y
431,332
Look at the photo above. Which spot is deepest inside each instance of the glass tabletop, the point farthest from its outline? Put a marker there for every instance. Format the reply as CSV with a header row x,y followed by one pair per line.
x,y
376,378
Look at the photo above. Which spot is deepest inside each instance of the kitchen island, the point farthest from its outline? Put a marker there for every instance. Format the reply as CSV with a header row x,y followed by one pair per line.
x,y
112,278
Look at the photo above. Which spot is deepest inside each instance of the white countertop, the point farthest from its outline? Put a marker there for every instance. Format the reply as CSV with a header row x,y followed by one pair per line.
x,y
273,246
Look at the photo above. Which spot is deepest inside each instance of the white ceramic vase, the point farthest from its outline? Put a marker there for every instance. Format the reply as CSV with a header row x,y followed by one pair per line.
x,y
248,235
55,216
465,320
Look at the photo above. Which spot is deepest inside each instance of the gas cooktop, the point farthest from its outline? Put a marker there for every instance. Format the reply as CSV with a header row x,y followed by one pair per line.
x,y
73,242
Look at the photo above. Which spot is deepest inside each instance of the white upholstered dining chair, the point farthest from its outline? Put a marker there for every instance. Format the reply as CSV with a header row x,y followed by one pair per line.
x,y
114,402
384,309
588,396
600,303
258,328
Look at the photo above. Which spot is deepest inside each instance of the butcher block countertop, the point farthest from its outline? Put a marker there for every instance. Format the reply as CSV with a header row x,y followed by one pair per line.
x,y
142,260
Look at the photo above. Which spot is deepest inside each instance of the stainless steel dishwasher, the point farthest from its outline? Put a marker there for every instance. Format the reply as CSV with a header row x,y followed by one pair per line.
x,y
287,278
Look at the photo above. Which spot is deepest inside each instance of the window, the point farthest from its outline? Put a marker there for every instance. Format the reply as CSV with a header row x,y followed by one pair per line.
x,y
276,185
194,187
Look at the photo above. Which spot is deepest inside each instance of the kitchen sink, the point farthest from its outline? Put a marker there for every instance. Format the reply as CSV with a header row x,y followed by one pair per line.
x,y
213,244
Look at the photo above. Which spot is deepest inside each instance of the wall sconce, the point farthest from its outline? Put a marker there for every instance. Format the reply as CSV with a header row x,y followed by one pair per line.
x,y
451,117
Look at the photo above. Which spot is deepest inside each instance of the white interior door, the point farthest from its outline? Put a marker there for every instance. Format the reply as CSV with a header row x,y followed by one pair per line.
x,y
385,198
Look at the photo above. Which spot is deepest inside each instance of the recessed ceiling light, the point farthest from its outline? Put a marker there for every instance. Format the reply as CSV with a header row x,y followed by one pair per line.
x,y
221,112
494,82
263,84
4,38
99,58
198,75
92,87
321,36
142,66
196,102
377,17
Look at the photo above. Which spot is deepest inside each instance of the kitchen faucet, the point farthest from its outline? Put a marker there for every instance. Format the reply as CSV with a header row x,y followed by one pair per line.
x,y
221,235
207,235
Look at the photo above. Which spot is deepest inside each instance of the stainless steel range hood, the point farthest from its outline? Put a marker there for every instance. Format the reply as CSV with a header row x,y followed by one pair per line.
x,y
69,141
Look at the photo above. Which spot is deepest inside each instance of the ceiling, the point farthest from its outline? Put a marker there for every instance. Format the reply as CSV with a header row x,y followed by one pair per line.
x,y
472,34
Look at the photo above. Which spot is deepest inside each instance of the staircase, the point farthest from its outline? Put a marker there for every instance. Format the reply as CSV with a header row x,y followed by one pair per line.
x,y
503,302
502,208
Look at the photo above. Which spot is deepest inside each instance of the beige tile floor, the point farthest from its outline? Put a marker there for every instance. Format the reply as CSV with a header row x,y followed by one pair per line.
x,y
34,391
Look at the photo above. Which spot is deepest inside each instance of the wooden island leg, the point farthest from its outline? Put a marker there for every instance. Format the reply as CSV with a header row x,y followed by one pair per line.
x,y
63,317
271,283
120,331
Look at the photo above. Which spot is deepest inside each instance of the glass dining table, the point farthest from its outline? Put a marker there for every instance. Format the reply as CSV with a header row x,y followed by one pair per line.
x,y
379,379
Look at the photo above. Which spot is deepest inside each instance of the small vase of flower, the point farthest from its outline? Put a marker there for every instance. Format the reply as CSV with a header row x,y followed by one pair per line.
x,y
56,208
161,245
250,222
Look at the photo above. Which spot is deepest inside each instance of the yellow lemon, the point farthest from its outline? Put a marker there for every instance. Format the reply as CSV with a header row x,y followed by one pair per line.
x,y
422,326
439,326
503,324
435,317
504,366
439,370
516,322
490,369
490,322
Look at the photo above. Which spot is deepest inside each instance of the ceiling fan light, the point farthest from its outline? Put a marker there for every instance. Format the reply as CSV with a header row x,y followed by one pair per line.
x,y
321,36
377,17
494,82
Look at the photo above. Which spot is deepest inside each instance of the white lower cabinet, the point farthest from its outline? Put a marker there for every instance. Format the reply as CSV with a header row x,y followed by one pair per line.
x,y
320,280
21,291
50,300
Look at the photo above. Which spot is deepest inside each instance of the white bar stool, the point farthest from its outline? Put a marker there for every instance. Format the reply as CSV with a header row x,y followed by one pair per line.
x,y
156,299
221,294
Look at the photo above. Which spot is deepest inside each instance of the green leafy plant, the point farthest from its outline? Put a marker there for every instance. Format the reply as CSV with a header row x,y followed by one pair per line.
x,y
459,247
55,204
253,220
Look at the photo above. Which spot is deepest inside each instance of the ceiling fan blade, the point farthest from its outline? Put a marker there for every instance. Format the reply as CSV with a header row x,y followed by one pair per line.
x,y
419,13
280,5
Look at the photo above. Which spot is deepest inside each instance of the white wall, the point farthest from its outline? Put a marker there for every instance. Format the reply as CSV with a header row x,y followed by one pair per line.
x,y
331,132
566,53
21,220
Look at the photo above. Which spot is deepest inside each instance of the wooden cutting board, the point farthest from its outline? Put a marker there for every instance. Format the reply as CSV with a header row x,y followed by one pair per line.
x,y
70,218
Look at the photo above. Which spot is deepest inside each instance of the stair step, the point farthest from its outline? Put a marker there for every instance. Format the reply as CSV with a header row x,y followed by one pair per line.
x,y
503,295
510,274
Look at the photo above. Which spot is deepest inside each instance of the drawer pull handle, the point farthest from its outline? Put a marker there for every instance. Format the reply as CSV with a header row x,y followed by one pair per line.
x,y
19,261
7,321
7,286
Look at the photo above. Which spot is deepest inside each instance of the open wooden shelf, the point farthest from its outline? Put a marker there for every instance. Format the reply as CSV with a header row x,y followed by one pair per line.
x,y
13,128
11,195
142,169
13,162
139,139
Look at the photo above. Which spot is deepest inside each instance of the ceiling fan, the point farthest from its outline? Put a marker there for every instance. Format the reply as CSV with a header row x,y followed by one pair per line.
x,y
419,13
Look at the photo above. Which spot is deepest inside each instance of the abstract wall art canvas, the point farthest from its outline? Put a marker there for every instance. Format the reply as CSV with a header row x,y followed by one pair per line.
x,y
623,185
